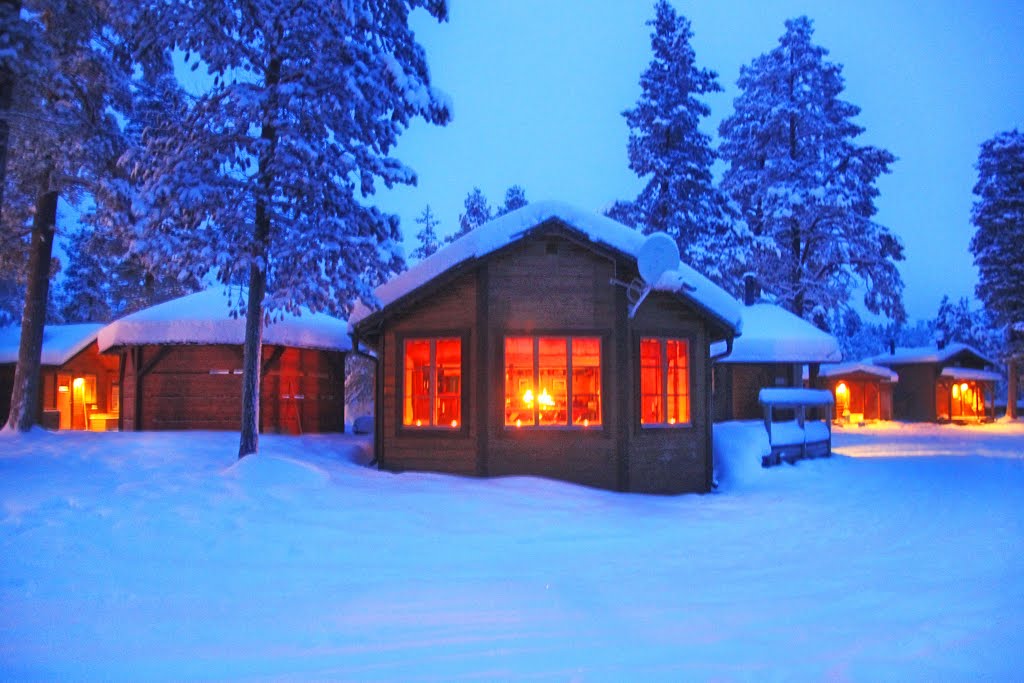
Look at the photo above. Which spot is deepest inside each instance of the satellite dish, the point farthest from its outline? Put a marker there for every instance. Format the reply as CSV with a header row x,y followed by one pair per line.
x,y
658,255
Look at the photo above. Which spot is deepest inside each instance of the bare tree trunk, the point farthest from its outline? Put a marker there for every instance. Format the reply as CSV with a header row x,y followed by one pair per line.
x,y
1011,389
9,11
25,397
253,352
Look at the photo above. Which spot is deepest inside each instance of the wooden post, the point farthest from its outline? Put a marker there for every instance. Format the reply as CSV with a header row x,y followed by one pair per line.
x,y
1013,380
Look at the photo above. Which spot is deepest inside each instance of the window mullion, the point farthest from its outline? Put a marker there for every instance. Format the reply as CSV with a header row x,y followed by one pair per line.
x,y
663,346
433,382
571,419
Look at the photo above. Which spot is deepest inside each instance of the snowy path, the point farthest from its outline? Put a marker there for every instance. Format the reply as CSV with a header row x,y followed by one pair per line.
x,y
155,556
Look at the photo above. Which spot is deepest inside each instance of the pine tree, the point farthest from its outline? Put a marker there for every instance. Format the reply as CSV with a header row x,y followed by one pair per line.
x,y
668,149
72,78
998,244
478,212
805,189
515,198
427,234
267,176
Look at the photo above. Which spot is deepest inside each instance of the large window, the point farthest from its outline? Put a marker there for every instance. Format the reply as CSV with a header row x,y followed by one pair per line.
x,y
552,381
432,387
664,382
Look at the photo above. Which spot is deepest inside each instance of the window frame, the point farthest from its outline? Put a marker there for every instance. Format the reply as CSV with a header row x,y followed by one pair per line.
x,y
568,336
433,337
662,339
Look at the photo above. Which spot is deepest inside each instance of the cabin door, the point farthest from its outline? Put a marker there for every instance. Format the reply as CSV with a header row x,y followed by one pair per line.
x,y
64,400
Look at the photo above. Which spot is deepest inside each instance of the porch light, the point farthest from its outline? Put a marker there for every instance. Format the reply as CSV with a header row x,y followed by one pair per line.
x,y
79,382
956,391
963,387
842,389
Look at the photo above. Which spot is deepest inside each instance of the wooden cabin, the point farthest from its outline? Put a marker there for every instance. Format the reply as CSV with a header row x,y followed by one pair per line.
x,y
862,391
775,347
78,386
531,346
181,368
952,382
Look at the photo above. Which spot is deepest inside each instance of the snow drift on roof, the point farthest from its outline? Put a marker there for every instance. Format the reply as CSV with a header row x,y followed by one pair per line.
x,y
928,354
971,374
839,369
203,318
513,226
60,342
771,334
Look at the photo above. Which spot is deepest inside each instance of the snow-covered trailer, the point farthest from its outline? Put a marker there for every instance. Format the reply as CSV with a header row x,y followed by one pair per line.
x,y
862,391
181,368
775,347
531,346
951,382
78,386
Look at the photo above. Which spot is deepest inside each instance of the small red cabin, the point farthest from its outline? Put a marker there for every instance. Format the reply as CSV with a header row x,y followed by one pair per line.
x,y
775,347
862,391
954,382
181,368
78,386
531,347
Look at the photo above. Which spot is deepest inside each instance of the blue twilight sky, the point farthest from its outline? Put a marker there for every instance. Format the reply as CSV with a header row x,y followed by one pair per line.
x,y
538,87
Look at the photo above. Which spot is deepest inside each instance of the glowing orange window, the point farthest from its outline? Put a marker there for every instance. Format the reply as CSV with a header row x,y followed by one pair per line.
x,y
664,382
432,383
552,381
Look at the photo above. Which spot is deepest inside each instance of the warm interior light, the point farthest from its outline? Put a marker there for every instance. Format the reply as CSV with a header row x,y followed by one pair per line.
x,y
80,381
519,423
586,423
671,420
62,389
419,423
455,423
545,399
841,389
963,387
956,391
528,398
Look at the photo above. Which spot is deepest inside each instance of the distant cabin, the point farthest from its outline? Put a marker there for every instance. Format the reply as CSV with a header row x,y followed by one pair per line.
x,y
771,353
862,391
513,351
181,368
78,387
954,382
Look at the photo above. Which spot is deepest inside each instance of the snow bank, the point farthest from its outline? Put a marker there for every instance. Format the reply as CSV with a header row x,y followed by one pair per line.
x,y
514,225
771,334
158,556
203,318
60,342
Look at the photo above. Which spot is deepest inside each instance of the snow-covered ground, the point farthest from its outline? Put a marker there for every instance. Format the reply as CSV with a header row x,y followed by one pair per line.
x,y
157,556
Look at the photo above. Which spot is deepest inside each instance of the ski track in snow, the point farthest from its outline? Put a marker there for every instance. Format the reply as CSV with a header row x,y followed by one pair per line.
x,y
159,556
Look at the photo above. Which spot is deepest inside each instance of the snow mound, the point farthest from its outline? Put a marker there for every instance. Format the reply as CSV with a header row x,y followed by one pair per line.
x,y
260,472
738,448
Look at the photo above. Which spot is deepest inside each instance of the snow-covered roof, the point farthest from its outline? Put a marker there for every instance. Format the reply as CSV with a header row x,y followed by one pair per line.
x,y
60,342
203,318
513,226
971,374
807,397
771,334
840,369
928,354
